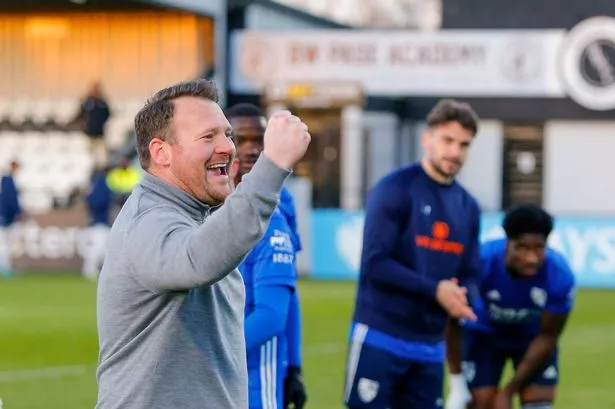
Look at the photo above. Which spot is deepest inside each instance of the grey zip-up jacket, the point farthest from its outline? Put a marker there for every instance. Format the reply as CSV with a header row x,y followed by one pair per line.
x,y
170,299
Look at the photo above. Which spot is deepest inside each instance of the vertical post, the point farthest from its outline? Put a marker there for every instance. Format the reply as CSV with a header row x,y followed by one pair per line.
x,y
351,157
221,44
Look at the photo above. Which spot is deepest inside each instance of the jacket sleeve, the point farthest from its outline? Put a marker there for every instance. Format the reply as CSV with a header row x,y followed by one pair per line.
x,y
273,269
271,302
293,331
382,231
470,274
170,254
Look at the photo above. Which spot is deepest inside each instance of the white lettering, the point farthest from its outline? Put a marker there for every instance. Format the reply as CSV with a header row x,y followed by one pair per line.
x,y
511,315
52,242
578,247
556,242
31,233
283,258
605,262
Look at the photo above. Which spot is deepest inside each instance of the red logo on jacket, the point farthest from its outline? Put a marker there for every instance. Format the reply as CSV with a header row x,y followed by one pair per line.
x,y
437,241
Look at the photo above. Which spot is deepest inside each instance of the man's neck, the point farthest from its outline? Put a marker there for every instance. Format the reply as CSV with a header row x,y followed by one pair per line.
x,y
167,177
433,173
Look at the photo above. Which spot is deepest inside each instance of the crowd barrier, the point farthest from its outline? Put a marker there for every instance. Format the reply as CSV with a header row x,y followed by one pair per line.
x,y
53,241
587,243
56,241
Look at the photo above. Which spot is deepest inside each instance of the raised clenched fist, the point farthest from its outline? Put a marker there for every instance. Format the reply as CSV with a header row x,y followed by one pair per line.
x,y
286,139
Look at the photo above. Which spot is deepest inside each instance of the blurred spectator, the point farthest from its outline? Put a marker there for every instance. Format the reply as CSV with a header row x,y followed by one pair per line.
x,y
10,212
93,115
122,179
99,204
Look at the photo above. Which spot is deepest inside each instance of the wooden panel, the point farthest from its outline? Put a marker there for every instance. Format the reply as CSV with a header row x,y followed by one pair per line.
x,y
133,54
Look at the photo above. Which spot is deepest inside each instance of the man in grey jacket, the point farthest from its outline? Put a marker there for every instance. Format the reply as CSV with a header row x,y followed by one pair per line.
x,y
170,299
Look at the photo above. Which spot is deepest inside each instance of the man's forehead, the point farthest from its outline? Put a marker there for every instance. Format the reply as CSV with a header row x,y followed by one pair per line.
x,y
194,109
453,130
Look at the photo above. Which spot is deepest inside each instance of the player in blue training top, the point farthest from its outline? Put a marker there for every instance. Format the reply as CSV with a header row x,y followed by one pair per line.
x,y
526,295
272,317
294,387
419,258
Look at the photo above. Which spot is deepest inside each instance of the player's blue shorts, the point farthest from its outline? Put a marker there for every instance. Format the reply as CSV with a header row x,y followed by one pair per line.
x,y
377,379
485,355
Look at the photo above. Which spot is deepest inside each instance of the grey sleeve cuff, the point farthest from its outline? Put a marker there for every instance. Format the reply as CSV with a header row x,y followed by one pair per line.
x,y
266,176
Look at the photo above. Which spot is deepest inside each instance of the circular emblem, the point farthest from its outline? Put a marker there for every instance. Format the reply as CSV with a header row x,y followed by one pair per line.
x,y
440,230
256,59
588,63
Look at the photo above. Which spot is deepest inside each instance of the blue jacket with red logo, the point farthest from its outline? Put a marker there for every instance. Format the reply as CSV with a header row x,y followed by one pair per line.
x,y
417,232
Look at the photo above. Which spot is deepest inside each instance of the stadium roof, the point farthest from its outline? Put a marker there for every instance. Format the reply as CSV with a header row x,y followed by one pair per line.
x,y
205,7
197,6
296,12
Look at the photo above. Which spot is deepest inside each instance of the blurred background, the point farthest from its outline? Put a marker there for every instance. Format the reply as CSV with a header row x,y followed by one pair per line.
x,y
363,74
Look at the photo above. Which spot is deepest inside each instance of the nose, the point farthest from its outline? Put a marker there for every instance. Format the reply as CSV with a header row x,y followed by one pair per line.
x,y
532,259
456,150
224,146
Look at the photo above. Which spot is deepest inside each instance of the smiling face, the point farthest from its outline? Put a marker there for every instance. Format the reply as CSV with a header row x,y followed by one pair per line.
x,y
198,156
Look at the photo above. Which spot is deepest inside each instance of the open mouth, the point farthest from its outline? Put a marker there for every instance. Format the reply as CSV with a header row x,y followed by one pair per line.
x,y
218,169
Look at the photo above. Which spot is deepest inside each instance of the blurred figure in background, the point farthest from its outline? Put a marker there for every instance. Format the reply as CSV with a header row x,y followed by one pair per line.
x,y
93,116
294,387
122,179
418,261
10,212
99,205
526,292
273,319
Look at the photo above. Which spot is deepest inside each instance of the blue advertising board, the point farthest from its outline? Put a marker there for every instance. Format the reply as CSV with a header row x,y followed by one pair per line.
x,y
587,243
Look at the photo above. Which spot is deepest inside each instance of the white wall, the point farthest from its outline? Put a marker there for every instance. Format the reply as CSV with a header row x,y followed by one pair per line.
x,y
579,166
407,144
482,173
381,144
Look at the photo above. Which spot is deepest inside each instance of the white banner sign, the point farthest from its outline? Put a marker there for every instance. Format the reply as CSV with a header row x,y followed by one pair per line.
x,y
579,63
398,63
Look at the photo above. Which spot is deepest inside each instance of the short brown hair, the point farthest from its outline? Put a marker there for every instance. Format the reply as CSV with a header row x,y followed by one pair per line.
x,y
154,119
450,110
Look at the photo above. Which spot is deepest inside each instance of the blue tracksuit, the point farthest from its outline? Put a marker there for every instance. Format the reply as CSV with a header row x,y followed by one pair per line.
x,y
10,208
417,232
269,275
294,323
509,311
100,200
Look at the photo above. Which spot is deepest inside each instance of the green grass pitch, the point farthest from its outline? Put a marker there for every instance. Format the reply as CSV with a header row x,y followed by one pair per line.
x,y
48,344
